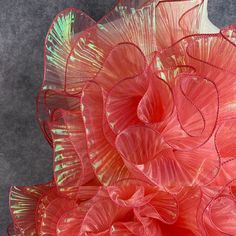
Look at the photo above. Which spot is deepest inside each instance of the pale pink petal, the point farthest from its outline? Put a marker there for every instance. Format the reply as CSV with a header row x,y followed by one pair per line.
x,y
189,200
176,20
131,21
125,60
210,50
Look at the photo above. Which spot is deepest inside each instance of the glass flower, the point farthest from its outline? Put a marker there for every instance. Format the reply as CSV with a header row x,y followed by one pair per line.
x,y
139,109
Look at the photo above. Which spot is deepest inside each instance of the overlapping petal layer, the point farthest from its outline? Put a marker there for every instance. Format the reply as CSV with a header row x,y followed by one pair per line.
x,y
139,109
72,167
105,159
58,44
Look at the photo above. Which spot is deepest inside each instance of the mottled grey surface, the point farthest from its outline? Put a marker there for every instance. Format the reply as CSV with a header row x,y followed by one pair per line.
x,y
25,157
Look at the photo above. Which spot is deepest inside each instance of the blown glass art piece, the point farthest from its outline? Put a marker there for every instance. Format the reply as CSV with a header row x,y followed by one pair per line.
x,y
140,111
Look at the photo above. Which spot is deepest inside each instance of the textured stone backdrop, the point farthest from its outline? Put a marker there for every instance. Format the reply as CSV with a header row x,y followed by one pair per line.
x,y
25,157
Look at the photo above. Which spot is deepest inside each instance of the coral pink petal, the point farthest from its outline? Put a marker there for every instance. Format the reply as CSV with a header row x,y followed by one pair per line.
x,y
157,103
189,200
176,20
125,228
143,226
169,74
87,192
203,53
147,156
223,215
126,22
23,206
132,193
227,172
72,167
124,61
220,211
201,165
58,44
200,52
145,22
43,203
193,126
52,213
206,50
109,134
122,103
75,126
54,100
225,139
70,222
162,207
101,216
106,161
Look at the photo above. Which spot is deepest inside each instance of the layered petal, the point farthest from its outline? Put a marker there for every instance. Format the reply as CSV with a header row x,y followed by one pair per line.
x,y
52,213
23,206
71,221
189,128
132,193
163,207
125,60
142,23
123,101
219,215
72,167
206,54
106,161
220,209
226,173
58,44
101,216
147,155
224,139
189,200
157,104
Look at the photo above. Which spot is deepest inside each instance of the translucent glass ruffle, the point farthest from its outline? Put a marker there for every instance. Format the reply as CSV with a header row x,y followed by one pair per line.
x,y
139,109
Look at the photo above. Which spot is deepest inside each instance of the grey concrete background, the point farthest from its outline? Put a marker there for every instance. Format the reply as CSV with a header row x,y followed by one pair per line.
x,y
25,157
